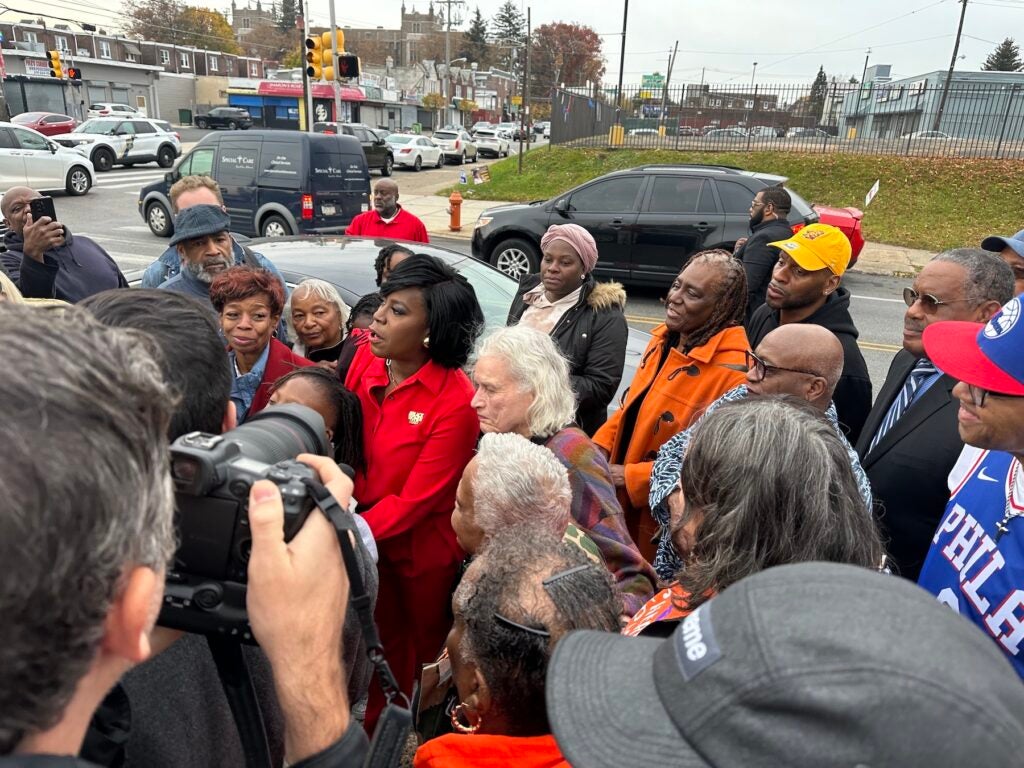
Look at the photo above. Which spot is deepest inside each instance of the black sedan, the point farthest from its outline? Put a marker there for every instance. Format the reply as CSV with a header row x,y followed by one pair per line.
x,y
347,263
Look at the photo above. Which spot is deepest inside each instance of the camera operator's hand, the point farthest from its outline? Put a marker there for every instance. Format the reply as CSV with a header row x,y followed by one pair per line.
x,y
40,236
297,596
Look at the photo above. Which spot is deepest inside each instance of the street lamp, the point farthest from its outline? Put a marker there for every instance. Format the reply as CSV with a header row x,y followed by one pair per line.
x,y
446,83
753,75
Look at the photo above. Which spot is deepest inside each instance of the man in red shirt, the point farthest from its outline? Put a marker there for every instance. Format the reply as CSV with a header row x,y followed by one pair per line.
x,y
388,218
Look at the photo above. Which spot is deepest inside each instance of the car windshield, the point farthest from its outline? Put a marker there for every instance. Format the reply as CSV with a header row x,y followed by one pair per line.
x,y
395,139
447,135
98,126
485,134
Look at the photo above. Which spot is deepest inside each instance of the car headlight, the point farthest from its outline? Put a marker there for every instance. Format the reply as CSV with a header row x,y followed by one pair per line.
x,y
483,221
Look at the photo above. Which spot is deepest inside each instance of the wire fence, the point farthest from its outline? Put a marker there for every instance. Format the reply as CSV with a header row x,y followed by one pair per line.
x,y
971,120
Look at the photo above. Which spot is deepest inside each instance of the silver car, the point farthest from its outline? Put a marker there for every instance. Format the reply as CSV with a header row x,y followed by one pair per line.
x,y
29,159
457,145
491,141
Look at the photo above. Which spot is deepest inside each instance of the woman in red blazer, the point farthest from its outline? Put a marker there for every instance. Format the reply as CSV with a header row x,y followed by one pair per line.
x,y
419,432
249,302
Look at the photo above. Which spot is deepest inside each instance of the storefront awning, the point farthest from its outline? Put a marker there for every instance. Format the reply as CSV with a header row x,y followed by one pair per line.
x,y
129,48
294,90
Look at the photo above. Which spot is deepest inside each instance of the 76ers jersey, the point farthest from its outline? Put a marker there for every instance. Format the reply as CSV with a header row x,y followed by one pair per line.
x,y
967,568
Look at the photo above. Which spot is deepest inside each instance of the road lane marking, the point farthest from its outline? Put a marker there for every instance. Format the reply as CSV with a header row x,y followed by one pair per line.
x,y
876,298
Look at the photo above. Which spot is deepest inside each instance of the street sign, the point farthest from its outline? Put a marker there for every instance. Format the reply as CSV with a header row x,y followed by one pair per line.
x,y
37,67
871,193
517,100
652,81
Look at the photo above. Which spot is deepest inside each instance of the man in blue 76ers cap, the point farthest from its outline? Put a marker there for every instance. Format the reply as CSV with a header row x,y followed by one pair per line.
x,y
976,561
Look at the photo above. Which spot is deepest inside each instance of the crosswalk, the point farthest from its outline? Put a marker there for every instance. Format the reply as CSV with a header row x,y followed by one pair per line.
x,y
129,180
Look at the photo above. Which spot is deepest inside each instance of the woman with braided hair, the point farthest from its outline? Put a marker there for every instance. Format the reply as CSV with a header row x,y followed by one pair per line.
x,y
697,355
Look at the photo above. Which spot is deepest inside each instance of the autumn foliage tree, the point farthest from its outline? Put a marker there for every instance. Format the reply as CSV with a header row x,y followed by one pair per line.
x,y
565,53
165,21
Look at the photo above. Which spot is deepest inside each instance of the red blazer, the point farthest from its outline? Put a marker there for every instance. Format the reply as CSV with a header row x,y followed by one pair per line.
x,y
280,361
417,442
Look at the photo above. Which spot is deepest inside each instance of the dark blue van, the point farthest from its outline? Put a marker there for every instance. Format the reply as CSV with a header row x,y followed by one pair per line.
x,y
274,183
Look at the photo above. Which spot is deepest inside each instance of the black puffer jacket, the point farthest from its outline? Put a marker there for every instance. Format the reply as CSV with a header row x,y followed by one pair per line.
x,y
759,258
592,336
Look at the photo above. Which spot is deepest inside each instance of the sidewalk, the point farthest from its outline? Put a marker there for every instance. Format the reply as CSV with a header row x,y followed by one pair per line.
x,y
875,259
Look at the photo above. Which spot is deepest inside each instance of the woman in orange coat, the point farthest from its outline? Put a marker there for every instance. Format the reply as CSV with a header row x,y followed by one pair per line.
x,y
696,356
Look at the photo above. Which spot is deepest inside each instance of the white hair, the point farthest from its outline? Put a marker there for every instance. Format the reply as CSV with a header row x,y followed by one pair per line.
x,y
322,290
537,366
518,482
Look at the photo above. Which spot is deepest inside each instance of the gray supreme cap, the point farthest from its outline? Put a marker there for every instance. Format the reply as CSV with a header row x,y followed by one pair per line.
x,y
801,665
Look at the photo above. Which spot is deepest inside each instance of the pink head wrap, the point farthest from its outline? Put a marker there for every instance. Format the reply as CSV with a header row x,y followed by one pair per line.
x,y
576,236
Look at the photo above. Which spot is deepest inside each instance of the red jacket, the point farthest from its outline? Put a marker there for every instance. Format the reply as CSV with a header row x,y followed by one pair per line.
x,y
457,750
417,442
404,226
280,361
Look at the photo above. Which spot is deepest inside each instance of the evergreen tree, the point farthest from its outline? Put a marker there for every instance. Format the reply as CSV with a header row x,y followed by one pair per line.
x,y
287,15
509,30
819,90
1005,58
474,45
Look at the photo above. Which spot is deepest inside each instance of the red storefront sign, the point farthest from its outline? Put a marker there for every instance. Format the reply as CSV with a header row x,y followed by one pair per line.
x,y
320,90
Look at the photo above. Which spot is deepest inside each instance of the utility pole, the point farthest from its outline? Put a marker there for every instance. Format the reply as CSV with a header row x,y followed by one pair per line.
x,y
864,74
622,63
668,79
446,83
307,87
524,113
952,63
334,65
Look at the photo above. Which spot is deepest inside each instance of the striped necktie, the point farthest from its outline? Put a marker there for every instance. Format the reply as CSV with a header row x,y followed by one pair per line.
x,y
921,371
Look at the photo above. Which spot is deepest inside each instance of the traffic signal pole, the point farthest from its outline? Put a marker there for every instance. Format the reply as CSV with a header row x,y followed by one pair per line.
x,y
307,87
334,66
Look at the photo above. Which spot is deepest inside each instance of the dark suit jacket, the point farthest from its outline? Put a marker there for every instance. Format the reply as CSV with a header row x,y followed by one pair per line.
x,y
908,469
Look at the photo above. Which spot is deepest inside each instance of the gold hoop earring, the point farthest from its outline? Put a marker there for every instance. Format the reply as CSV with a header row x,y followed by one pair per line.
x,y
462,709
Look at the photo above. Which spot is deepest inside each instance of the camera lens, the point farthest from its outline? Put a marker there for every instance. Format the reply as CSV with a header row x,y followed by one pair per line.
x,y
281,432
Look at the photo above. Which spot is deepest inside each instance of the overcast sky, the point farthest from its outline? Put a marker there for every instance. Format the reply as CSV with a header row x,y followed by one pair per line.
x,y
789,40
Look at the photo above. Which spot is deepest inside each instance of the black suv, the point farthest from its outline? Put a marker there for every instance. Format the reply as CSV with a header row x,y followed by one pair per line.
x,y
225,117
646,220
378,154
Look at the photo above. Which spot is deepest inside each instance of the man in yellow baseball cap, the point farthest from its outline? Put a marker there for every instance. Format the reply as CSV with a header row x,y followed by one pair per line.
x,y
805,288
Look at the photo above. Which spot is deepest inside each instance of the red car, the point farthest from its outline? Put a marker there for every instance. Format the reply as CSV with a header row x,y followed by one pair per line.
x,y
47,123
848,220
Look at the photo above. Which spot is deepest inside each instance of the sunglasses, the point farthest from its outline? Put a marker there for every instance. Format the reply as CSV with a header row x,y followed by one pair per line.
x,y
762,369
979,395
929,303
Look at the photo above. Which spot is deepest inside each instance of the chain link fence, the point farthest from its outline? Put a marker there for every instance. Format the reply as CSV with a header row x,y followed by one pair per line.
x,y
970,120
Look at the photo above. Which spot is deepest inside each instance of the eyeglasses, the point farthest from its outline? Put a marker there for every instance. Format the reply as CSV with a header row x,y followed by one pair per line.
x,y
929,303
762,369
979,395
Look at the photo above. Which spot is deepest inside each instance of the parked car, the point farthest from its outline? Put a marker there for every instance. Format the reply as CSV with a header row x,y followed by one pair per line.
x,y
686,130
113,109
274,183
478,125
807,133
642,132
492,142
231,118
46,123
540,125
347,263
411,151
927,135
726,133
515,130
376,149
110,141
765,132
456,145
547,131
646,220
29,159
848,220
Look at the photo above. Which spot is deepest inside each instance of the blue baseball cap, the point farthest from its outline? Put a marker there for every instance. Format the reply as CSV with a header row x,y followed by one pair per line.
x,y
997,243
989,356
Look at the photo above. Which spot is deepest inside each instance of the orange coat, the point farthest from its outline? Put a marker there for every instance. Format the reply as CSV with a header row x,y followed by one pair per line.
x,y
672,396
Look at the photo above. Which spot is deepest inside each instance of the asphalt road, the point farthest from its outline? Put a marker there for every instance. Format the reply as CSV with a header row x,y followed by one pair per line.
x,y
109,214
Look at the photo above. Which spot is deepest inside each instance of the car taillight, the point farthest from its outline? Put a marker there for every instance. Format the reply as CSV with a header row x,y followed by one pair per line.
x,y
457,144
177,136
330,132
404,151
307,207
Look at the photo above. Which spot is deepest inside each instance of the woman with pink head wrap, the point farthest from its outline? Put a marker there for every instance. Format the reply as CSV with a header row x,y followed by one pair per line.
x,y
585,318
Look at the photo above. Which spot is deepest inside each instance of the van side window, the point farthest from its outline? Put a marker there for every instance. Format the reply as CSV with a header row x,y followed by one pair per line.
x,y
199,163
237,163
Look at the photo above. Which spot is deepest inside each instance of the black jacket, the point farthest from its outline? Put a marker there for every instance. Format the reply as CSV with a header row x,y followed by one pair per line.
x,y
759,259
909,467
592,336
77,269
853,393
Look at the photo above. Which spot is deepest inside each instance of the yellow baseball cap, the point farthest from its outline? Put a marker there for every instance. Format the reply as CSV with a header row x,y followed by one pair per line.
x,y
818,246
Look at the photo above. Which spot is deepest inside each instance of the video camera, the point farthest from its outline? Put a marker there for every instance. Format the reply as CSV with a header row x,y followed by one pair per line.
x,y
206,585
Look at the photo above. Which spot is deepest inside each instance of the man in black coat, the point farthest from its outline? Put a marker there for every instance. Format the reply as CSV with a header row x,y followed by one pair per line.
x,y
768,224
46,261
805,289
910,440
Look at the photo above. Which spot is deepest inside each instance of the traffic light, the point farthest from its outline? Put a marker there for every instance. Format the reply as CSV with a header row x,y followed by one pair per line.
x,y
56,66
318,54
73,73
348,65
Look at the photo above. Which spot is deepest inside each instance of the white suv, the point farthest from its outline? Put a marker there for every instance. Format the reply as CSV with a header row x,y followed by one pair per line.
x,y
110,141
27,158
491,141
112,109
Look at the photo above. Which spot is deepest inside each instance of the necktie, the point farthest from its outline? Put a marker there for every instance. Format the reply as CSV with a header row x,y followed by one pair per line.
x,y
921,371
